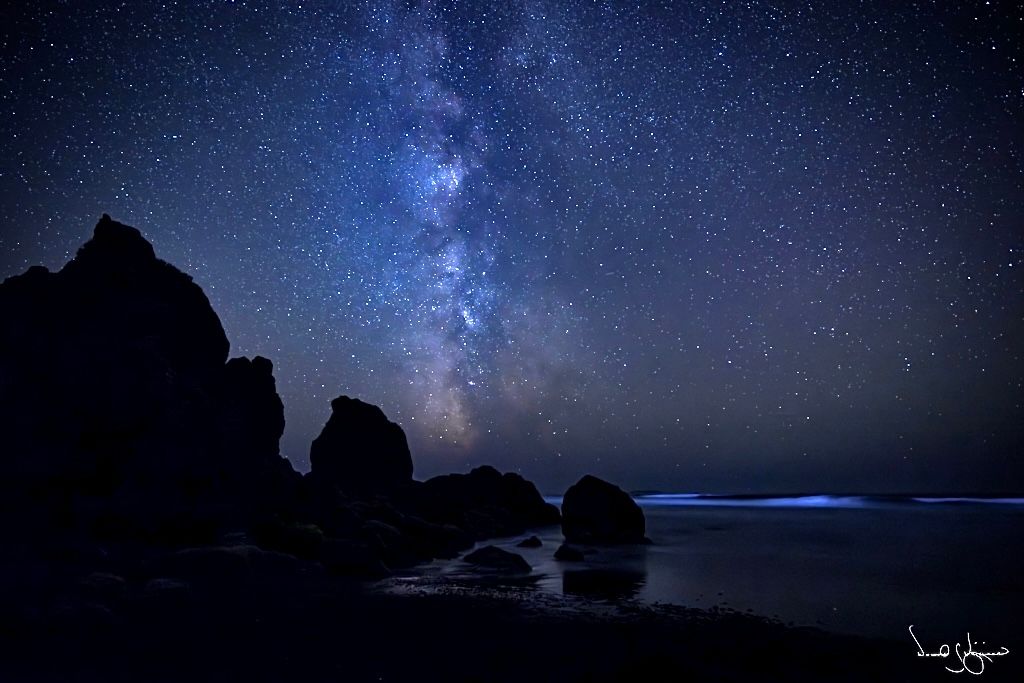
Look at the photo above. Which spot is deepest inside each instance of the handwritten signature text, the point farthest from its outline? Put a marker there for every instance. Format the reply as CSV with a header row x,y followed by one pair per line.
x,y
971,660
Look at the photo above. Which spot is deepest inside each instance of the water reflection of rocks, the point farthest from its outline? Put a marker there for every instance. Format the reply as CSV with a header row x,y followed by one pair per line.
x,y
607,584
609,574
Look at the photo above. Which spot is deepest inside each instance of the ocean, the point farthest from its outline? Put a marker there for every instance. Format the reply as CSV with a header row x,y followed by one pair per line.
x,y
871,566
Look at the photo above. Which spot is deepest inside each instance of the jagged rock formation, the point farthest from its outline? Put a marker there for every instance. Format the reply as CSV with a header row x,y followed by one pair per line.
x,y
484,502
123,420
596,512
115,395
360,450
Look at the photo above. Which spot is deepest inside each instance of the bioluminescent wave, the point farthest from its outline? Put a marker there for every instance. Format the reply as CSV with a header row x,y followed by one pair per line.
x,y
807,501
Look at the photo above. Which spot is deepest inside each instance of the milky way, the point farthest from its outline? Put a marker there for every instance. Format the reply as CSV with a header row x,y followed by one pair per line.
x,y
730,246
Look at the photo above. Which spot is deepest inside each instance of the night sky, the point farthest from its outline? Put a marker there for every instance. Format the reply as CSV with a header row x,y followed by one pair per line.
x,y
729,246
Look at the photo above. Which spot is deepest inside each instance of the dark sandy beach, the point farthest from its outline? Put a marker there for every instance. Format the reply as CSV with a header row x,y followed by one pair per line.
x,y
264,620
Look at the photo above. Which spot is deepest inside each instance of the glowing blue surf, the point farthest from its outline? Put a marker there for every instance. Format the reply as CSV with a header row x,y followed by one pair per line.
x,y
808,501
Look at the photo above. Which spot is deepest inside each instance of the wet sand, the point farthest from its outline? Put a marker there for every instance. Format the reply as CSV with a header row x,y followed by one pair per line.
x,y
325,629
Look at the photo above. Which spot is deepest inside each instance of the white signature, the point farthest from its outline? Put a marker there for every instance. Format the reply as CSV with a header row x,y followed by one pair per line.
x,y
970,661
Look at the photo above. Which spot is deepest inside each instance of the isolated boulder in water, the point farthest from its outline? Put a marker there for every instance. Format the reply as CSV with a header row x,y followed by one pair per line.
x,y
360,450
493,557
594,511
485,502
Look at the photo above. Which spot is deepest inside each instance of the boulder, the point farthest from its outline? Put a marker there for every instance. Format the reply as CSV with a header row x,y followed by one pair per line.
x,y
493,557
484,502
597,512
567,553
531,542
360,450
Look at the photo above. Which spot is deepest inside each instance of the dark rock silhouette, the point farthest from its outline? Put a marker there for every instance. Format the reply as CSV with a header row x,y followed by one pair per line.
x,y
531,542
124,422
360,450
567,553
484,502
495,558
252,414
145,510
597,512
250,423
116,405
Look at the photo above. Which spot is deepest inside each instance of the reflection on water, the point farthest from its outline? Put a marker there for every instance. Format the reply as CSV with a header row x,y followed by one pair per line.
x,y
870,570
609,573
472,575
606,584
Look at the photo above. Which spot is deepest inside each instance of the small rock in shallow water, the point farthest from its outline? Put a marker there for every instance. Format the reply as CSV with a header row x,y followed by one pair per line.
x,y
531,542
567,553
496,558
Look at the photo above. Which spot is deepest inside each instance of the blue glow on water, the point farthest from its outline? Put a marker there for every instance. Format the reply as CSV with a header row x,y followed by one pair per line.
x,y
694,499
863,564
804,501
982,501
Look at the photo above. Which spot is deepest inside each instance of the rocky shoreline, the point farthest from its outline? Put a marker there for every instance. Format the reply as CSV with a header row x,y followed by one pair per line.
x,y
126,424
152,530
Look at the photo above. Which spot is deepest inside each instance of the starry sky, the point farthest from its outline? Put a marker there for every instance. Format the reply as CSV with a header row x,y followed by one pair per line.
x,y
728,246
